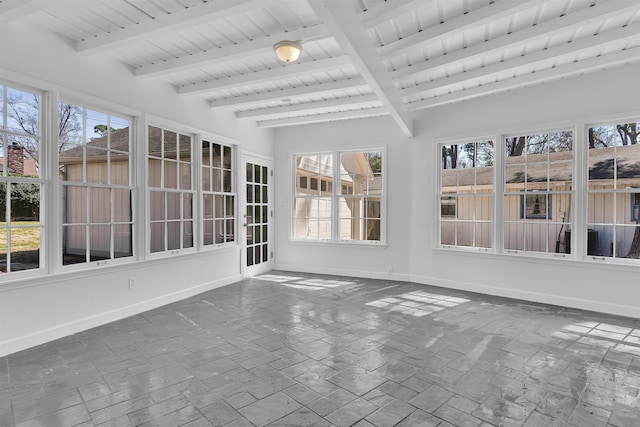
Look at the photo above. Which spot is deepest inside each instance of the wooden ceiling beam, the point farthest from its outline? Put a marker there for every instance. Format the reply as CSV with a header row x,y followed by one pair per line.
x,y
599,63
328,117
229,53
596,13
457,25
342,20
308,106
279,73
195,15
583,44
293,92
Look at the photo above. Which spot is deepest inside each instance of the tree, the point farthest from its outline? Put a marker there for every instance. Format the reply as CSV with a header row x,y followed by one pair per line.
x,y
103,130
25,199
610,136
375,162
23,110
515,146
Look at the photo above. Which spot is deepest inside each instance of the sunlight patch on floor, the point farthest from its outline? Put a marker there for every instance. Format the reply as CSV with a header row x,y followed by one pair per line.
x,y
602,335
417,303
298,282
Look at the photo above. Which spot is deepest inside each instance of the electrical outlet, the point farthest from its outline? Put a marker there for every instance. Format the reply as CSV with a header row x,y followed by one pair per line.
x,y
132,283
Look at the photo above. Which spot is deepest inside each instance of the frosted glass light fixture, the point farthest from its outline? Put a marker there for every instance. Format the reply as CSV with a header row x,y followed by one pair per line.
x,y
287,50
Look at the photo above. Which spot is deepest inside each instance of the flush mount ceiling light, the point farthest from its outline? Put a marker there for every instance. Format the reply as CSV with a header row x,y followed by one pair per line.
x,y
287,50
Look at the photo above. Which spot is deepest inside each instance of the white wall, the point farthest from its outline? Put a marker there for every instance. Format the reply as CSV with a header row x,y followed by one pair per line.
x,y
412,196
34,311
359,260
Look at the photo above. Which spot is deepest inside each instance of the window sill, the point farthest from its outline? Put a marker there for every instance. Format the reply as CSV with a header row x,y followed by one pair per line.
x,y
557,259
340,244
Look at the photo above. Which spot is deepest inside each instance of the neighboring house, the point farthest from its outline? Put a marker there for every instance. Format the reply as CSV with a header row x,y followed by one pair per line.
x,y
17,163
541,215
106,161
359,205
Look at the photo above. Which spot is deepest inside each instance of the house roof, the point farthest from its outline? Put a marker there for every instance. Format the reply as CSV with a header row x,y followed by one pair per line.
x,y
559,169
96,148
360,58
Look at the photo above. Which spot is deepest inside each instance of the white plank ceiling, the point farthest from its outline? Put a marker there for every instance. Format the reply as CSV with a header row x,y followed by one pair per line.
x,y
360,58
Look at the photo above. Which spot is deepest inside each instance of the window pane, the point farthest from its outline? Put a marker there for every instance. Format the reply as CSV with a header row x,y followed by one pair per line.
x,y
226,161
100,242
173,206
122,240
3,249
25,247
206,179
170,150
230,230
157,237
173,235
75,205
187,206
25,201
23,112
170,174
188,234
74,244
185,176
185,148
208,232
154,143
157,206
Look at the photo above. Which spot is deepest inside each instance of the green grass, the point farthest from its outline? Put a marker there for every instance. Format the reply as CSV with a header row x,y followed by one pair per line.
x,y
25,236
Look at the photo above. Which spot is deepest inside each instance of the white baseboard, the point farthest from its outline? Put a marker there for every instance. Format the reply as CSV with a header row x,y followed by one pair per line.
x,y
79,325
572,302
366,274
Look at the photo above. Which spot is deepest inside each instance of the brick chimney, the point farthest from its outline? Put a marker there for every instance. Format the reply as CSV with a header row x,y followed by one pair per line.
x,y
16,158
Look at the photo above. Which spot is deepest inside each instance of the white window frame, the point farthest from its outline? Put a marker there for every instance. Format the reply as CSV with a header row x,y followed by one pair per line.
x,y
89,186
335,195
455,218
225,194
549,194
42,180
193,191
615,192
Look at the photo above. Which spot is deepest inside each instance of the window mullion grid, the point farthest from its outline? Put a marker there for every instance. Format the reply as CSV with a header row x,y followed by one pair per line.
x,y
87,221
499,186
335,197
49,157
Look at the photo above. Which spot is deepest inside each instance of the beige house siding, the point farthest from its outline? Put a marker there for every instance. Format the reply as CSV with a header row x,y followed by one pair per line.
x,y
100,204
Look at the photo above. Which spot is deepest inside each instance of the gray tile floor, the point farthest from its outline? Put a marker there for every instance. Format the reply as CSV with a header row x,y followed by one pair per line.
x,y
289,349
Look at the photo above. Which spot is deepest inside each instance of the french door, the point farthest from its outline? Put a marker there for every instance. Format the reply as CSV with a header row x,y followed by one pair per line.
x,y
257,254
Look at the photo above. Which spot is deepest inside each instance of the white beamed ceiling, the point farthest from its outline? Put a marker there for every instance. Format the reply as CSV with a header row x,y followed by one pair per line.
x,y
360,58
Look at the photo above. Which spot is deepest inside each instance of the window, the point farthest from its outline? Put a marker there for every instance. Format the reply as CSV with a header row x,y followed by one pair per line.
x,y
466,194
94,168
533,206
538,188
635,207
21,228
218,194
348,211
312,217
170,190
614,178
361,204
